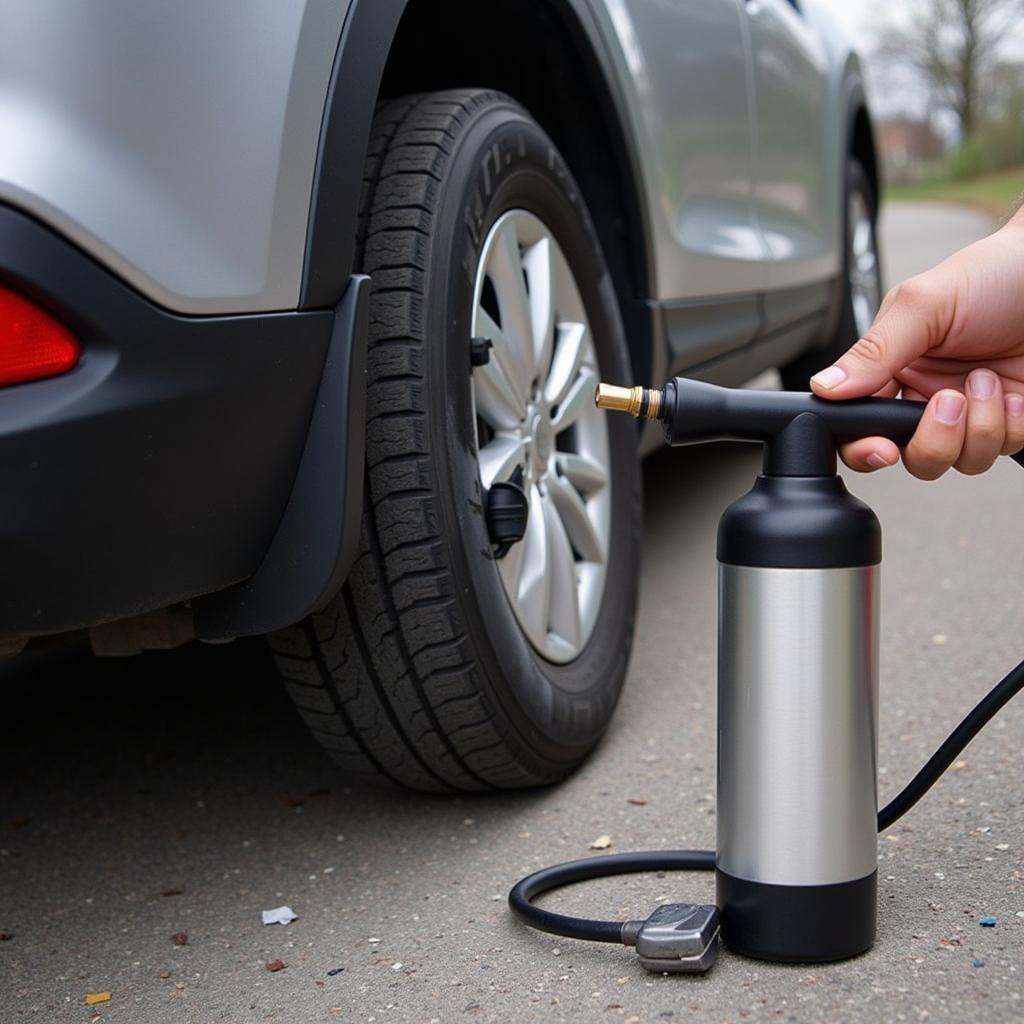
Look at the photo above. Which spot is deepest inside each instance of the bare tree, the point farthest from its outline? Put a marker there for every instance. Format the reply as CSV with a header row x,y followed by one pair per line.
x,y
951,45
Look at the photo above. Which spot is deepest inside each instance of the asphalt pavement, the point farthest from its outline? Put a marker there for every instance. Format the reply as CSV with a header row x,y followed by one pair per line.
x,y
178,795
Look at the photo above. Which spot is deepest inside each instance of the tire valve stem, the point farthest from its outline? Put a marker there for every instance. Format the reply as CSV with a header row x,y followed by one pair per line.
x,y
639,402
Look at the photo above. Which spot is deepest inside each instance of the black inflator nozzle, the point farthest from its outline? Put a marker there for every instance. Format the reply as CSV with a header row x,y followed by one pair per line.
x,y
799,430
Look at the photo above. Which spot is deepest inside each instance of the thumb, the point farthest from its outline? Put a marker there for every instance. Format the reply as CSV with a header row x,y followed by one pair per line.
x,y
905,329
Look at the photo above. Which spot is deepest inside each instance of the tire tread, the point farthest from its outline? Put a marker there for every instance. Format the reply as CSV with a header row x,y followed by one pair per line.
x,y
384,676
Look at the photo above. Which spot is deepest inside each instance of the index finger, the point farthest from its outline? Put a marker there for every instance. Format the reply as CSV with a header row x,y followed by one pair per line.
x,y
913,319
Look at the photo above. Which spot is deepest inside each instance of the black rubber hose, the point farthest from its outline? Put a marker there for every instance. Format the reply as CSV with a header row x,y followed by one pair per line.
x,y
519,899
596,867
993,702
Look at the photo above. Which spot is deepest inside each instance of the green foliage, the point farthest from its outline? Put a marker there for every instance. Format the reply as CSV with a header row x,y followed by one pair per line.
x,y
994,145
997,194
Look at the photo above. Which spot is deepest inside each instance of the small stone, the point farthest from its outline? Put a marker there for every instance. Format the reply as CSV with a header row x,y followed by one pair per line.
x,y
1002,846
274,966
180,939
601,843
978,962
396,966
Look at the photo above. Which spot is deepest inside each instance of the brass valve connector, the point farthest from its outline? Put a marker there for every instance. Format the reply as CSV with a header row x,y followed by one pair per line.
x,y
638,402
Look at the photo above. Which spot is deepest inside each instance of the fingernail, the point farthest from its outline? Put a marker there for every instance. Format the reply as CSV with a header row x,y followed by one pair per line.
x,y
829,377
875,461
1015,405
950,408
982,384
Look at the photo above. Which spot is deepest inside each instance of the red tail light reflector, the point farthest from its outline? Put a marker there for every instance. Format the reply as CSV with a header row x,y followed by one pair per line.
x,y
32,344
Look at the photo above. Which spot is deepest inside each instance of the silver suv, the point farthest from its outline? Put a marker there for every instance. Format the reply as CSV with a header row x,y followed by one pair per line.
x,y
302,306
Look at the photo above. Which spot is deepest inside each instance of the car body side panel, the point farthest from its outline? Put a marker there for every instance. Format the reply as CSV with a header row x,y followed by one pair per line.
x,y
802,61
176,142
684,68
792,198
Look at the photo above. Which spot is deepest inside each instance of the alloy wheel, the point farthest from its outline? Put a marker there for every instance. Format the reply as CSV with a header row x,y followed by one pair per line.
x,y
536,421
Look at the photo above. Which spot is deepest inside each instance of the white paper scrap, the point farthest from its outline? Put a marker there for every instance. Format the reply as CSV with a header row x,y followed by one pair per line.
x,y
280,915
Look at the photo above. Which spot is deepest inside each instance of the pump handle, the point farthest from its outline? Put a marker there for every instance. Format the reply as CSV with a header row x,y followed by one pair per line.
x,y
694,411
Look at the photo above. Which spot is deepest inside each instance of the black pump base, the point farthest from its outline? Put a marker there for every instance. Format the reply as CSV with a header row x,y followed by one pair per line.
x,y
797,923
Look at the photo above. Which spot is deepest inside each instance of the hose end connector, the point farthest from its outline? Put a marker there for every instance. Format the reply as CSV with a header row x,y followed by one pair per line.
x,y
639,402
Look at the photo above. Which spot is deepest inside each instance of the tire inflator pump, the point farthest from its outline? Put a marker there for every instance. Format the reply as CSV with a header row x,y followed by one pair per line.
x,y
796,864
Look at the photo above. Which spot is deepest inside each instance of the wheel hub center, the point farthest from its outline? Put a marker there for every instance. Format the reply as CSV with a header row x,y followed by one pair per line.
x,y
538,430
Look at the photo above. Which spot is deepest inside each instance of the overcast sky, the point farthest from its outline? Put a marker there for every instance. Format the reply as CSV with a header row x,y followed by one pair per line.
x,y
855,15
862,18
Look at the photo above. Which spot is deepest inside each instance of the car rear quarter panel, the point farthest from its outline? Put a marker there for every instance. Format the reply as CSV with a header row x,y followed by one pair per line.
x,y
176,142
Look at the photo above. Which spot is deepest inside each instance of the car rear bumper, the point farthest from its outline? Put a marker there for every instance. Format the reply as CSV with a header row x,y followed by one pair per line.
x,y
159,468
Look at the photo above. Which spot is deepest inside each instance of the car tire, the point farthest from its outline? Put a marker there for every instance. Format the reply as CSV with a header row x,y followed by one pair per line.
x,y
861,283
421,672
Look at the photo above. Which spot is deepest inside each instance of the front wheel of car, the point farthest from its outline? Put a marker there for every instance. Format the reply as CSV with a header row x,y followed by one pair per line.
x,y
450,661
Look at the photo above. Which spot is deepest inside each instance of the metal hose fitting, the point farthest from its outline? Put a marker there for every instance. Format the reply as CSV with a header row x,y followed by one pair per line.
x,y
639,402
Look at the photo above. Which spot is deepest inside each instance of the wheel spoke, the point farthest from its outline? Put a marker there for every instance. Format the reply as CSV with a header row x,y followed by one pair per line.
x,y
499,457
866,262
579,397
534,591
537,261
862,237
506,272
564,615
586,475
503,353
511,567
581,531
568,356
495,401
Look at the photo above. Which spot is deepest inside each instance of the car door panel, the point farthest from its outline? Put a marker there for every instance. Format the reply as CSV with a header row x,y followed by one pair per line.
x,y
794,206
685,67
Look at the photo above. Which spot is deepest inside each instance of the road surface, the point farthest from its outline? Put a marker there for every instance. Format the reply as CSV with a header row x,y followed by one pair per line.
x,y
178,793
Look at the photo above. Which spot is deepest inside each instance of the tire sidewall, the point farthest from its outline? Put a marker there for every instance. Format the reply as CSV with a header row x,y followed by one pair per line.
x,y
504,161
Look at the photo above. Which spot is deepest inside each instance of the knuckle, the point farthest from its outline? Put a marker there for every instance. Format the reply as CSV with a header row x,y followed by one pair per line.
x,y
989,434
1014,438
870,348
927,450
924,471
914,292
927,462
973,467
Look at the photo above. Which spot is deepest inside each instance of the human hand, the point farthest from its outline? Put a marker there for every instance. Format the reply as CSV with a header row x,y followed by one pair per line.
x,y
953,336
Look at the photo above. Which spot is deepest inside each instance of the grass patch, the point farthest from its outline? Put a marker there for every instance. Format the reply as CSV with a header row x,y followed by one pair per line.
x,y
996,194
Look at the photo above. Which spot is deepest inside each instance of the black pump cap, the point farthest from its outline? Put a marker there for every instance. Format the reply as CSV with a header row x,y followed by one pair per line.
x,y
794,522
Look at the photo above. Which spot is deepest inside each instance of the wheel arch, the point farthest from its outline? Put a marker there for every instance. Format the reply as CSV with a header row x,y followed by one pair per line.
x,y
547,55
861,137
